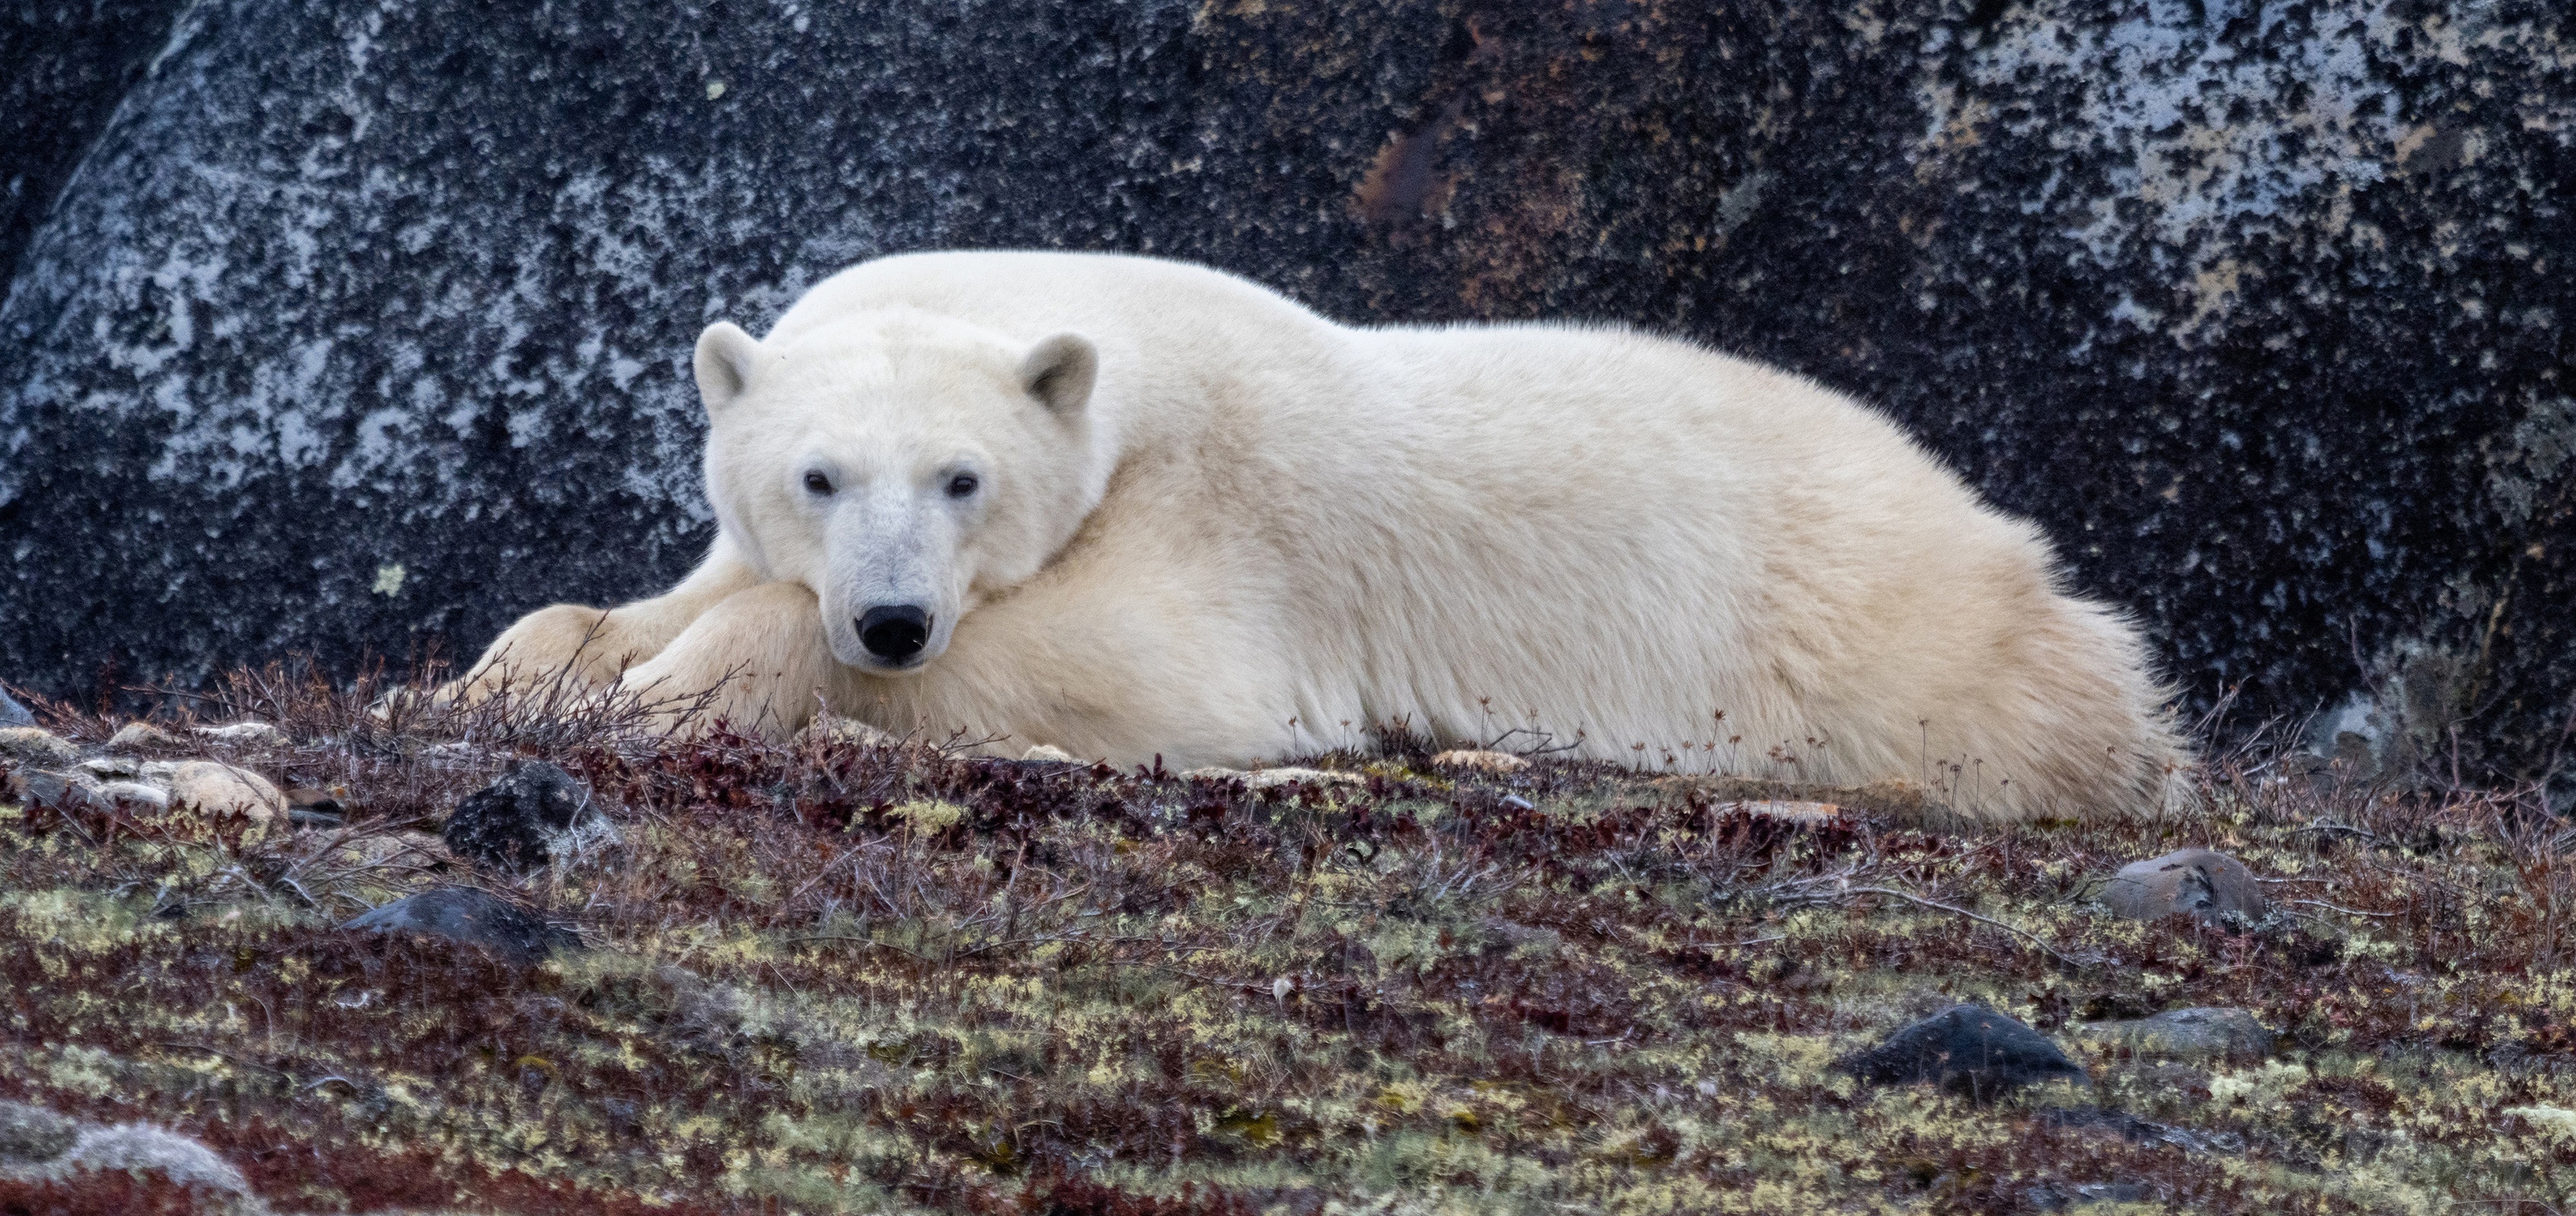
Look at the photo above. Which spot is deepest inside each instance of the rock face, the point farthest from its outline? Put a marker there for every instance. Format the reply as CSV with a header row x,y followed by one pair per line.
x,y
377,318
12,713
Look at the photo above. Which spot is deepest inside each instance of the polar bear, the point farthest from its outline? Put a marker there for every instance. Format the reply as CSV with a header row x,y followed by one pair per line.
x,y
1134,508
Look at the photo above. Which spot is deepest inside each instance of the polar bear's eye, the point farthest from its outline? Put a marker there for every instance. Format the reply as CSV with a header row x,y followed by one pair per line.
x,y
817,483
962,485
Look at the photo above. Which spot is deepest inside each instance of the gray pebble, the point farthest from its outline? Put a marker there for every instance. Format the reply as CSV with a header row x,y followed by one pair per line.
x,y
32,1134
2205,1033
2195,882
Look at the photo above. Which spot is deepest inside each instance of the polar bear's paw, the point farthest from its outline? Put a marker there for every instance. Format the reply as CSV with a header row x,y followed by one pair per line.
x,y
561,649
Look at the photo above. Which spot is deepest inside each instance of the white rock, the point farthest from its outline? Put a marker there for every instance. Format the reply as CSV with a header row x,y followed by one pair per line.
x,y
109,768
1808,813
141,734
1048,751
1482,761
1265,778
223,789
139,793
836,729
247,734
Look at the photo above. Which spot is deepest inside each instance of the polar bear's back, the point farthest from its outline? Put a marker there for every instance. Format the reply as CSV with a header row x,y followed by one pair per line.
x,y
1714,535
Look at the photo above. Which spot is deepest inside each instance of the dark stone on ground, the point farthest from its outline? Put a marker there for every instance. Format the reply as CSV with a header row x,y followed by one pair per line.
x,y
12,713
31,1134
467,915
2202,883
381,316
521,821
1966,1049
48,787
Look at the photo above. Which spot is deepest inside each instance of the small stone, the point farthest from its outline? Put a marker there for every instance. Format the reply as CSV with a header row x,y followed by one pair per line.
x,y
222,789
1525,940
135,735
133,793
2186,1034
309,807
29,745
110,768
12,713
129,1148
1480,761
2135,1130
1966,1049
1051,754
533,816
1805,814
2058,1196
246,734
468,915
2195,882
32,1135
46,787
458,754
832,728
1266,778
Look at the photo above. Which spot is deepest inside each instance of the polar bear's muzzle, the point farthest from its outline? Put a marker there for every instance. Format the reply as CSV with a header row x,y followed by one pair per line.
x,y
895,633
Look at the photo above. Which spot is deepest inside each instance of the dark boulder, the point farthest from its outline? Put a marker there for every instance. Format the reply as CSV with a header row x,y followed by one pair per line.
x,y
379,316
468,915
70,62
534,814
1965,1049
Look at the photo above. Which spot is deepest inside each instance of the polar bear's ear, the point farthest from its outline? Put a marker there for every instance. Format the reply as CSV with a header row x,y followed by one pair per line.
x,y
725,355
1059,371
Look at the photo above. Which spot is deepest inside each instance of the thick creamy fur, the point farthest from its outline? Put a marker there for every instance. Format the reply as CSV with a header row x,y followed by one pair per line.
x,y
1261,532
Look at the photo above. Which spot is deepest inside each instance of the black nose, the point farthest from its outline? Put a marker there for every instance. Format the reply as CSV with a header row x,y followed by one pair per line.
x,y
894,632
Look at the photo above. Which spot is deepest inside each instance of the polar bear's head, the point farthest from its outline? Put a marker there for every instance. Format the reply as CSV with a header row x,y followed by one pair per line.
x,y
903,466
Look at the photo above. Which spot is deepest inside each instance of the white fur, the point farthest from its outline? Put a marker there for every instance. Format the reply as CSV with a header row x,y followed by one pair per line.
x,y
1247,532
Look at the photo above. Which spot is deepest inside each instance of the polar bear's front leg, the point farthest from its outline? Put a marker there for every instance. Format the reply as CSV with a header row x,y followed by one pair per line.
x,y
587,647
755,662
